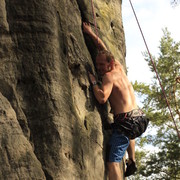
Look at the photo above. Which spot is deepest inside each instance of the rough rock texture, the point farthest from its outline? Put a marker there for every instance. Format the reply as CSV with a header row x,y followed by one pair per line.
x,y
50,123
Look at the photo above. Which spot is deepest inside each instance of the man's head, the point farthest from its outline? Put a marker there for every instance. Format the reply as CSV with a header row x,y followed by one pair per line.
x,y
104,62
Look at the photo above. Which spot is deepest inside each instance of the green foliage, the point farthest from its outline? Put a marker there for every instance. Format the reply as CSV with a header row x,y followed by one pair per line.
x,y
175,2
165,164
168,68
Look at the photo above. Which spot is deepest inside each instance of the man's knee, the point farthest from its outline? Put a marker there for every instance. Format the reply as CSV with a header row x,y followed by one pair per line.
x,y
114,171
113,166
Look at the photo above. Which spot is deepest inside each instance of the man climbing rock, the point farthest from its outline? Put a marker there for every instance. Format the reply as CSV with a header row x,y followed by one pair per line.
x,y
118,90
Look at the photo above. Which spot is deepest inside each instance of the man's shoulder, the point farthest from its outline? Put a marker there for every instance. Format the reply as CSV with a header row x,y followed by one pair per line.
x,y
117,63
108,75
119,66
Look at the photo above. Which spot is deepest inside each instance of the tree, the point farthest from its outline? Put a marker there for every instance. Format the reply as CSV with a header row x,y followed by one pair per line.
x,y
174,2
168,68
165,164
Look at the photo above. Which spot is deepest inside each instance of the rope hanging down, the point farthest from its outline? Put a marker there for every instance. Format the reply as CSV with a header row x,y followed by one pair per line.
x,y
94,19
155,71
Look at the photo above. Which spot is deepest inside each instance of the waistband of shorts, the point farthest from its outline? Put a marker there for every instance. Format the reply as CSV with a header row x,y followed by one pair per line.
x,y
133,113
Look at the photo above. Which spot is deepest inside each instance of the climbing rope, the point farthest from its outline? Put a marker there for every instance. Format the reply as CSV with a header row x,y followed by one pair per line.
x,y
155,71
94,19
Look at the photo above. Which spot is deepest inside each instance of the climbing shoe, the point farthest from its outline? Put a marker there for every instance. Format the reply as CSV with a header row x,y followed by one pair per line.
x,y
131,169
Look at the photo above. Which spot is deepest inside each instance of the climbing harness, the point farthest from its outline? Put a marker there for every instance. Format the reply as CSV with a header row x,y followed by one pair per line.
x,y
133,124
155,71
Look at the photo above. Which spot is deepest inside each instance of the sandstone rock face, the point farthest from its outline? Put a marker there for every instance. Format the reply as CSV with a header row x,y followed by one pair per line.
x,y
17,158
51,126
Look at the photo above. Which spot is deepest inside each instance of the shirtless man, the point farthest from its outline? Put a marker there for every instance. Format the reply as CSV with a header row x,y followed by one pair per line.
x,y
118,90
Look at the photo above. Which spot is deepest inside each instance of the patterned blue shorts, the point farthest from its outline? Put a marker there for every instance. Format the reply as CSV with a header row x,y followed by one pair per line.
x,y
118,145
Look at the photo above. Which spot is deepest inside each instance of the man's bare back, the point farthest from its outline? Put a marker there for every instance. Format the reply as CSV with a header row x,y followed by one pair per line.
x,y
122,97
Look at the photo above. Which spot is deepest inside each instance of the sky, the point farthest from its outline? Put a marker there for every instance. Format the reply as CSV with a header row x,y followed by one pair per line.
x,y
153,16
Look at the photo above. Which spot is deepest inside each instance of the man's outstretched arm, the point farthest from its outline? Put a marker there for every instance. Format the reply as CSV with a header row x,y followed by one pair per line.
x,y
98,42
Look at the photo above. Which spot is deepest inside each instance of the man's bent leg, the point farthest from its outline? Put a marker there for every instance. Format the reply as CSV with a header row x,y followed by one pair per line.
x,y
117,147
114,171
131,166
131,149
